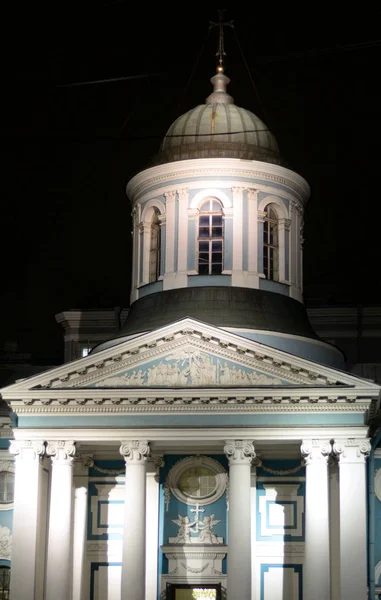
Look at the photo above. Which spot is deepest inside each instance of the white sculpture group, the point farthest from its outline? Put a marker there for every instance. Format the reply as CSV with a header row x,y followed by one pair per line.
x,y
202,530
190,367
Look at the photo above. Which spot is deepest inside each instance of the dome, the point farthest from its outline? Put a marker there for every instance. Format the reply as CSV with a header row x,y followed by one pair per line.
x,y
219,129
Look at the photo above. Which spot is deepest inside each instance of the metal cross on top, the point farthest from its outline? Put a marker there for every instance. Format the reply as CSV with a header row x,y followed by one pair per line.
x,y
221,24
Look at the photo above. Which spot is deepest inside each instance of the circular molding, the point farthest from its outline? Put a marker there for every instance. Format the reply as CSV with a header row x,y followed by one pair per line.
x,y
178,473
377,484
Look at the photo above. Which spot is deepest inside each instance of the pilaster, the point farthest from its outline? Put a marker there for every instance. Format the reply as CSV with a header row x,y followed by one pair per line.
x,y
237,270
170,199
182,247
154,464
352,454
81,482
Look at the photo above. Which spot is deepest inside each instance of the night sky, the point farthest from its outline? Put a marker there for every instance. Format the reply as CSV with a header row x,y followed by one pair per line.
x,y
68,151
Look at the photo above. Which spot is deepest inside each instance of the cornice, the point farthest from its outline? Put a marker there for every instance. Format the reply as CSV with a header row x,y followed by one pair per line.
x,y
217,167
193,402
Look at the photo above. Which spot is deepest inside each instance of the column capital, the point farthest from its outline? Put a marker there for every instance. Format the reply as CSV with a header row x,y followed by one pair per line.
x,y
252,193
135,452
352,450
82,464
183,193
238,190
62,452
239,452
27,449
315,450
170,196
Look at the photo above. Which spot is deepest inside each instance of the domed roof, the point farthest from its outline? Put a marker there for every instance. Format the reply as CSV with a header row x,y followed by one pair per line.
x,y
219,128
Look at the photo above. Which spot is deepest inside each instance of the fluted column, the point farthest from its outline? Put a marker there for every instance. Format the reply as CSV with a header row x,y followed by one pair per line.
x,y
81,483
240,454
316,569
352,454
135,454
58,563
237,271
26,517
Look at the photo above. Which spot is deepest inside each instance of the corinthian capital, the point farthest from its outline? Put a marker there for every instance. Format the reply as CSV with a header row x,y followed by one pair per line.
x,y
315,450
170,196
352,450
27,449
61,452
239,451
135,452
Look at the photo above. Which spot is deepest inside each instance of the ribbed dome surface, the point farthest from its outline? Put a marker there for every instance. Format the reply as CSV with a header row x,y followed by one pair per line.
x,y
219,128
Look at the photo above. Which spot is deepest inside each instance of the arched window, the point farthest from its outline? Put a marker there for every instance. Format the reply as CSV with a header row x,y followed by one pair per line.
x,y
5,577
154,251
210,238
7,485
271,244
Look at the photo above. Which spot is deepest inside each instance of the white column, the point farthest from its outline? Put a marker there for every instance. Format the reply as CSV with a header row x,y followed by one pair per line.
x,y
253,510
240,454
237,270
81,483
135,454
26,518
316,569
152,525
58,564
352,455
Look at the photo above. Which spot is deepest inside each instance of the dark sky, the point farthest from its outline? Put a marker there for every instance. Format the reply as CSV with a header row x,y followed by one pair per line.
x,y
68,152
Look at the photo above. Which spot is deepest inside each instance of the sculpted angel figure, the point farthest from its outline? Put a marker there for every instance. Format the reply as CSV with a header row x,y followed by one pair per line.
x,y
207,536
185,529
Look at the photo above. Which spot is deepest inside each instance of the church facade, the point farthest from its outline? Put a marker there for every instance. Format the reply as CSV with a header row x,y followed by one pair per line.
x,y
216,447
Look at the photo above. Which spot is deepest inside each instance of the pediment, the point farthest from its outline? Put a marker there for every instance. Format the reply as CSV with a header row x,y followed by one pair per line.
x,y
188,353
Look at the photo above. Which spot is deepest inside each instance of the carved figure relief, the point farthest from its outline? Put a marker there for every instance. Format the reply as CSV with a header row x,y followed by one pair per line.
x,y
5,543
202,530
187,367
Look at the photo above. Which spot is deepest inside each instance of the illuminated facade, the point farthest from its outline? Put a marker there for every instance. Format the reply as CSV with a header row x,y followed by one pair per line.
x,y
215,447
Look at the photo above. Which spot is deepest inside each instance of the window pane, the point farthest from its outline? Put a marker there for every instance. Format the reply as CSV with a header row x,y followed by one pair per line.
x,y
217,232
216,220
217,246
203,246
203,232
203,269
217,257
204,220
205,206
203,257
216,269
216,205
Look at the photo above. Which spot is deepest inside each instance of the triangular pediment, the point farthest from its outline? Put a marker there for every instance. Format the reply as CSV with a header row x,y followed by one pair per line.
x,y
187,353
